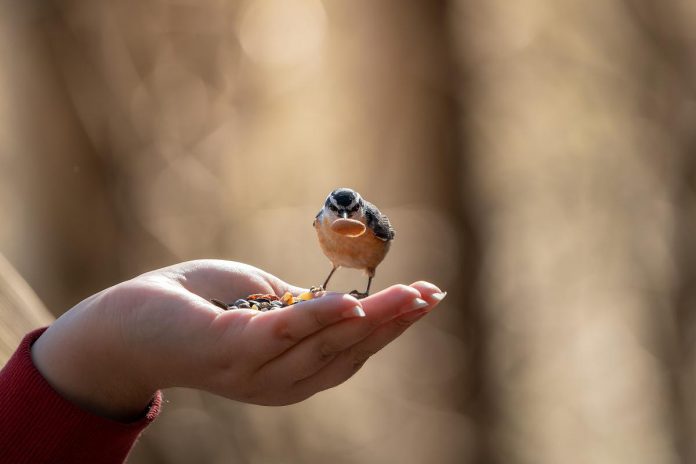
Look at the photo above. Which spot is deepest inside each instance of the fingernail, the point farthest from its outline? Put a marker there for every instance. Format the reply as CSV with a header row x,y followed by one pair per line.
x,y
355,311
416,303
439,296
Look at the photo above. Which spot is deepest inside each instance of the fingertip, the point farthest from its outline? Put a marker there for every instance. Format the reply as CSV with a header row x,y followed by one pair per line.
x,y
343,298
426,288
409,290
355,311
430,292
332,303
350,306
392,301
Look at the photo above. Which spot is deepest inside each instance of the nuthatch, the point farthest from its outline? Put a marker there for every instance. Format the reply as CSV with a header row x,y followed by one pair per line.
x,y
353,233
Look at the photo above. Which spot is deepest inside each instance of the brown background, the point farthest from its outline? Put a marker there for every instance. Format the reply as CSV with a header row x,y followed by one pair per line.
x,y
535,157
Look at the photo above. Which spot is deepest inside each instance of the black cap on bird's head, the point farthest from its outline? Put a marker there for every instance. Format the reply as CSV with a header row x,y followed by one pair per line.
x,y
343,201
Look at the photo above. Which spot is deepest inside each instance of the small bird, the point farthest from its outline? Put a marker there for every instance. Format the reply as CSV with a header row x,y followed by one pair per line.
x,y
353,233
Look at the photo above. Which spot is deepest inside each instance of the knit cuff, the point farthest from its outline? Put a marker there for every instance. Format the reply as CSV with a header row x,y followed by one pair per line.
x,y
38,425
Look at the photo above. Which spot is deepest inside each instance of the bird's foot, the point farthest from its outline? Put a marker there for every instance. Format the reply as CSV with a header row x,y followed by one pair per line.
x,y
358,295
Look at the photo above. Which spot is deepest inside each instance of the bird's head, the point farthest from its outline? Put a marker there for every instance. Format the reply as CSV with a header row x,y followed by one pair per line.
x,y
344,203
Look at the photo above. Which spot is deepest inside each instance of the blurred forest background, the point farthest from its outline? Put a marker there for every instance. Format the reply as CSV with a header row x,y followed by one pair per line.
x,y
535,157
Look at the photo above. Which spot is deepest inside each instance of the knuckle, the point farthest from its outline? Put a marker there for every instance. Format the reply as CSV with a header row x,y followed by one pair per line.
x,y
282,331
357,364
327,351
319,319
372,323
403,322
360,357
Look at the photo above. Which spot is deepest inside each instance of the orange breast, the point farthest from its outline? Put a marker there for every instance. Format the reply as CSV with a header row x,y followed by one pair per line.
x,y
362,252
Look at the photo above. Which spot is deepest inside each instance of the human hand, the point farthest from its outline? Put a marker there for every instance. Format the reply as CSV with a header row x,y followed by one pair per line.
x,y
112,351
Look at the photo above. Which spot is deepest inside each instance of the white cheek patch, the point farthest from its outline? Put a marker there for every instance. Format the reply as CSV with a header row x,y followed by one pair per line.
x,y
328,214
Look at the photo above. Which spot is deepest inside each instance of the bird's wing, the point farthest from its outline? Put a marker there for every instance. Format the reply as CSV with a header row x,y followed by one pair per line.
x,y
378,222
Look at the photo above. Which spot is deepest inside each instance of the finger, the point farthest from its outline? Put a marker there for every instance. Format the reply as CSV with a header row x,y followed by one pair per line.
x,y
390,302
283,328
429,292
315,352
347,363
392,329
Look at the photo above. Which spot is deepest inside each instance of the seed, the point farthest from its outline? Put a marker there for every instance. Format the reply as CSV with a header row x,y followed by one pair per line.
x,y
305,296
269,302
262,296
288,299
219,303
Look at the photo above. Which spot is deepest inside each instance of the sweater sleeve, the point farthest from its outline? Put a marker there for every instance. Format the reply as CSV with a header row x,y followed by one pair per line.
x,y
37,425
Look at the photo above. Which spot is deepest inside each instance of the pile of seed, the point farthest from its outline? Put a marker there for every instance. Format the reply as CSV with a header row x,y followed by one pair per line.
x,y
268,301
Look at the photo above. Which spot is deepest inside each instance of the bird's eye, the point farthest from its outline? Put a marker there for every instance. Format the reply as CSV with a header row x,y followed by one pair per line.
x,y
355,208
332,207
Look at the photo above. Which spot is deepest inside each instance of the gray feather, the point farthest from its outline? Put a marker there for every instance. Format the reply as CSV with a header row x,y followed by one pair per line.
x,y
378,222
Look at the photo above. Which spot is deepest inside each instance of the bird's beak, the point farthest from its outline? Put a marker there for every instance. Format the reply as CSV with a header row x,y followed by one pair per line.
x,y
344,214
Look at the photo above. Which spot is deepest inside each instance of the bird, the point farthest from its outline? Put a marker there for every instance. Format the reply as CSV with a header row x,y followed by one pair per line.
x,y
353,233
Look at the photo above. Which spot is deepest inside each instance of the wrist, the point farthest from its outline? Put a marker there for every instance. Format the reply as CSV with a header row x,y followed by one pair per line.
x,y
86,364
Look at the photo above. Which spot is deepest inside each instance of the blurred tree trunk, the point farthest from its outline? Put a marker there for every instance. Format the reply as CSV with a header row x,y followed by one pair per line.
x,y
576,163
671,44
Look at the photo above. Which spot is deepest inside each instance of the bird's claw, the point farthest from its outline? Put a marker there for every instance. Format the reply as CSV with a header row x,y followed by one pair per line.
x,y
358,295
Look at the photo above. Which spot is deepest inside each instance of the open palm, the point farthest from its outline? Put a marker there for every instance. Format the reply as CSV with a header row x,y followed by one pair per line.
x,y
162,330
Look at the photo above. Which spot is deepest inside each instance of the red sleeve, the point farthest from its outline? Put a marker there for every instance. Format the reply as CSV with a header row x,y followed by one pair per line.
x,y
37,425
